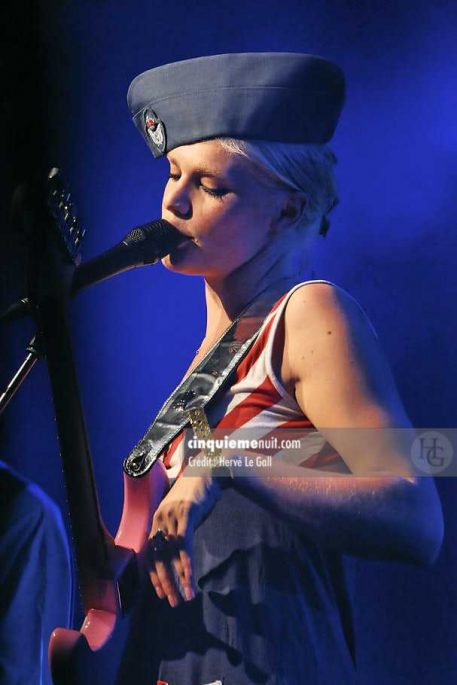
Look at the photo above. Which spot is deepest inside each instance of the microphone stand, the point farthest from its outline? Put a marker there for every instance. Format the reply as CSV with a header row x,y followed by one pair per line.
x,y
34,354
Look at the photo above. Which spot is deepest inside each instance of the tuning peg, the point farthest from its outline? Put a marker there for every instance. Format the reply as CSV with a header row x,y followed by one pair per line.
x,y
74,226
67,214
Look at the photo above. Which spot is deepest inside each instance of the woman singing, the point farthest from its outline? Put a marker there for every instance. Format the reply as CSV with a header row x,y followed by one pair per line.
x,y
248,567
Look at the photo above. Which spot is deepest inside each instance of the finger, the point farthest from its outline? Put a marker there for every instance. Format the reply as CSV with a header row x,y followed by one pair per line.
x,y
159,547
186,557
186,563
165,520
180,563
173,576
167,582
156,583
187,580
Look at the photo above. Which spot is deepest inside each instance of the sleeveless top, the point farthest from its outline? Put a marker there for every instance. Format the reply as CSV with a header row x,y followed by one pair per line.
x,y
257,405
272,607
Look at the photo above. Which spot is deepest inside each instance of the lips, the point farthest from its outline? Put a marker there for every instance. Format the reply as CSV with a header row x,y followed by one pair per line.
x,y
185,234
185,244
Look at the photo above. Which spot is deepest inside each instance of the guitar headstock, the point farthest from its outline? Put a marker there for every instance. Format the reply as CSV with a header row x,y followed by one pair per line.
x,y
66,224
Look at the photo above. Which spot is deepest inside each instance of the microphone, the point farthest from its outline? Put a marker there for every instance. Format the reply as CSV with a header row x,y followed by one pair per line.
x,y
143,245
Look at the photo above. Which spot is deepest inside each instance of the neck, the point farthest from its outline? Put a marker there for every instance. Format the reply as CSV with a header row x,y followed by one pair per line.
x,y
226,297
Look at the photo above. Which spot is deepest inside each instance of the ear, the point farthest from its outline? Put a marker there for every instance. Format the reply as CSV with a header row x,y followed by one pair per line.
x,y
291,211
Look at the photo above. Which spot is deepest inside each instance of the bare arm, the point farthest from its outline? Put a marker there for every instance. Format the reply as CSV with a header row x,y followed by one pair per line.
x,y
342,382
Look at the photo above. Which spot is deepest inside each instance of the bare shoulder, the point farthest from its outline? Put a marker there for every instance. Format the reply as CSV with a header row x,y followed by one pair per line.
x,y
322,319
317,304
340,372
342,380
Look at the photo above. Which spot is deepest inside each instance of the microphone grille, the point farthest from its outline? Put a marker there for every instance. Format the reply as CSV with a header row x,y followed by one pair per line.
x,y
140,233
155,239
136,235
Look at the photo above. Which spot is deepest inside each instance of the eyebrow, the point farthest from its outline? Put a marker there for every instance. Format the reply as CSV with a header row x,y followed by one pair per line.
x,y
201,171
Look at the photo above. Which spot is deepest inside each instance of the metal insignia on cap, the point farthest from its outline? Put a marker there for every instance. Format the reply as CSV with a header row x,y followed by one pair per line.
x,y
155,130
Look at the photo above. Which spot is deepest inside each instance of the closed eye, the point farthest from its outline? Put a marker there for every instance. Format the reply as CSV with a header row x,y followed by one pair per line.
x,y
214,192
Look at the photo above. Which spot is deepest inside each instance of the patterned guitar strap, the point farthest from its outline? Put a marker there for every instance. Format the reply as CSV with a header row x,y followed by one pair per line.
x,y
211,375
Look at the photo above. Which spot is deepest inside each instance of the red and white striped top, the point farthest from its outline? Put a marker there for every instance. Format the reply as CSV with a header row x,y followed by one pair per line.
x,y
257,405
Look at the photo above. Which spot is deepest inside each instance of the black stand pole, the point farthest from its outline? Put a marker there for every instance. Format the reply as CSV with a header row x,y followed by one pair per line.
x,y
34,354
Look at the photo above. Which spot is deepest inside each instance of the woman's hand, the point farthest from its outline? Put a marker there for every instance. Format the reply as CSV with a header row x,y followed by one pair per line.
x,y
184,507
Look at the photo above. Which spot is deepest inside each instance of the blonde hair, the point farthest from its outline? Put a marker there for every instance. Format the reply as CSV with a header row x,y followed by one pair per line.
x,y
306,168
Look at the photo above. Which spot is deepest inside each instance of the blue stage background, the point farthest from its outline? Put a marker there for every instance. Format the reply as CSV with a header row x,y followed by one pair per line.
x,y
392,244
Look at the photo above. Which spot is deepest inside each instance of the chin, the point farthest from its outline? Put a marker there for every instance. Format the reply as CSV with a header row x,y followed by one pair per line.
x,y
181,266
179,259
186,267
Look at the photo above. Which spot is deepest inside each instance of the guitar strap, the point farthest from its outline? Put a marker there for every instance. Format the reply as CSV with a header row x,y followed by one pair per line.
x,y
211,375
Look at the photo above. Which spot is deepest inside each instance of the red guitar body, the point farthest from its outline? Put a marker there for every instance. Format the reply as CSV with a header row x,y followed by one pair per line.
x,y
104,650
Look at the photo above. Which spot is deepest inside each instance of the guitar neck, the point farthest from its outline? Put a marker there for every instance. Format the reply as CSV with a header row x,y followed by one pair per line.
x,y
92,541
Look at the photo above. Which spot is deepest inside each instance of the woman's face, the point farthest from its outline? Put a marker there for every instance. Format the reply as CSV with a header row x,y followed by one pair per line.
x,y
216,197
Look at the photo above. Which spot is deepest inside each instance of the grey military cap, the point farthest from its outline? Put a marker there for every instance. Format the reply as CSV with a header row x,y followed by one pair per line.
x,y
287,97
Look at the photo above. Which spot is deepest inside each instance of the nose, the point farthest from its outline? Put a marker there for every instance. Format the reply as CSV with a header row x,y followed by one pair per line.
x,y
176,200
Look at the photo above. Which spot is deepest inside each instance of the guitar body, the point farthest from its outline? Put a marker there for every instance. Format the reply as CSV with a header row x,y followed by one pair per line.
x,y
111,646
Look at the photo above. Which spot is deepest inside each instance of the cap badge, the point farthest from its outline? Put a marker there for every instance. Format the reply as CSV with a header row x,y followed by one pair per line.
x,y
155,129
